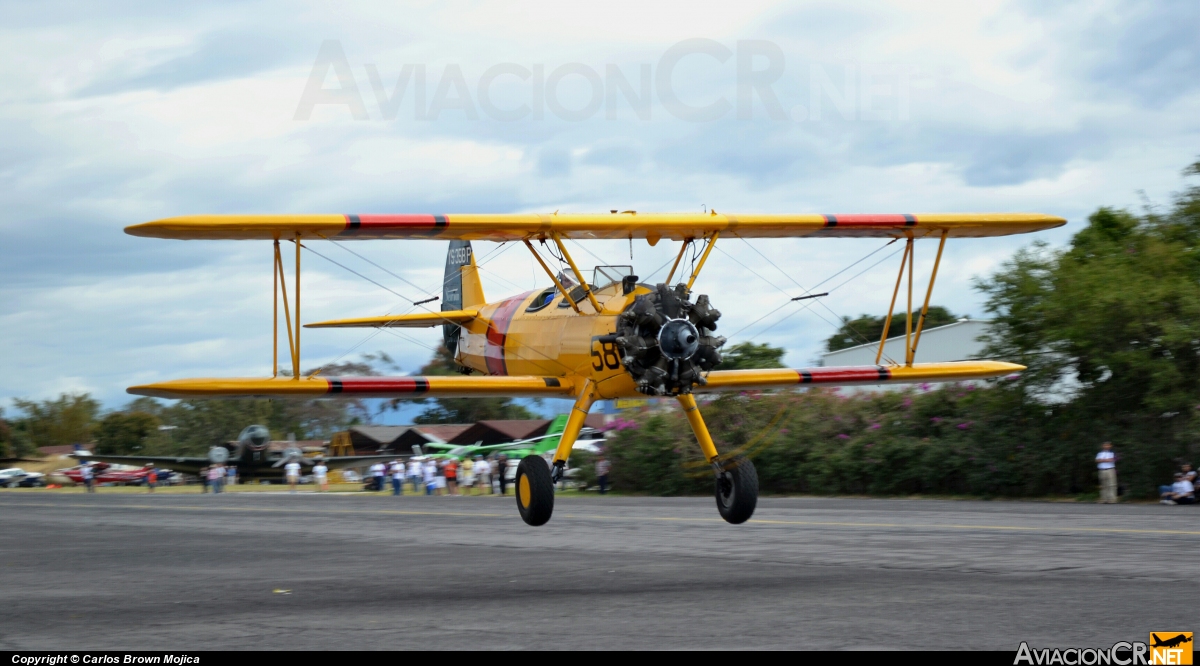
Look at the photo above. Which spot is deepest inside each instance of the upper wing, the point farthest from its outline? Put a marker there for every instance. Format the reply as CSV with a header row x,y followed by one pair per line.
x,y
736,380
364,387
651,226
416,320
176,463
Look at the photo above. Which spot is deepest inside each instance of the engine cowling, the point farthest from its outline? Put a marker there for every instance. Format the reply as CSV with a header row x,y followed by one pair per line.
x,y
255,437
667,342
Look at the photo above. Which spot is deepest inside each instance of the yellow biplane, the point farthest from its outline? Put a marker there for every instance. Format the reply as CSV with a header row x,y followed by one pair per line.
x,y
609,338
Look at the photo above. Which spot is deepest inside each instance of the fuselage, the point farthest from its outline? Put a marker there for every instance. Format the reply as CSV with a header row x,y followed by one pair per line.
x,y
538,333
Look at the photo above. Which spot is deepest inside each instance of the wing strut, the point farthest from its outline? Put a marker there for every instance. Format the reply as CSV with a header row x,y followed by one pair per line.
x,y
549,272
703,258
587,289
678,258
911,338
278,287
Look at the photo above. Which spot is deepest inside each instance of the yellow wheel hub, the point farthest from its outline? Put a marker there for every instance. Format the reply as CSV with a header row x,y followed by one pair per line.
x,y
523,491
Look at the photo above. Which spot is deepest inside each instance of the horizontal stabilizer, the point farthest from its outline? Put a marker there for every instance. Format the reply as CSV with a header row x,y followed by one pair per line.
x,y
736,380
584,226
360,387
415,320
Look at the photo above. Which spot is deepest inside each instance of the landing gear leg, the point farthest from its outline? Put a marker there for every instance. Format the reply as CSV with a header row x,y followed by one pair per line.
x,y
535,483
737,480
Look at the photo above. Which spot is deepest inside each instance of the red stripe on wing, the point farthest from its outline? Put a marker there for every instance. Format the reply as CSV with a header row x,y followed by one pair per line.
x,y
387,385
848,374
381,225
881,220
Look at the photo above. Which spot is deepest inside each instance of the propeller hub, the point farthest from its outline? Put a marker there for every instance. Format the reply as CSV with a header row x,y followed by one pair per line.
x,y
678,339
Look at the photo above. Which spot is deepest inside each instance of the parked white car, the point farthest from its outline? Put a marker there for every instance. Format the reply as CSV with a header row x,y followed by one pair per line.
x,y
15,476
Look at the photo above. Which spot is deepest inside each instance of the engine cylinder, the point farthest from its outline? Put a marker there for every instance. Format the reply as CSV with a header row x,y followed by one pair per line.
x,y
667,342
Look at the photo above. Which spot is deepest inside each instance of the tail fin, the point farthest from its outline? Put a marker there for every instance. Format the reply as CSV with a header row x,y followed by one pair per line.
x,y
460,287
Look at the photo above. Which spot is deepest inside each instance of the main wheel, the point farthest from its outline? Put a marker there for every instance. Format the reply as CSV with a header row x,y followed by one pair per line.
x,y
535,491
737,490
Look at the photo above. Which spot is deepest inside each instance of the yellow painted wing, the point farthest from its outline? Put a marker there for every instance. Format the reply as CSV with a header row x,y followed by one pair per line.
x,y
651,226
361,387
415,320
737,380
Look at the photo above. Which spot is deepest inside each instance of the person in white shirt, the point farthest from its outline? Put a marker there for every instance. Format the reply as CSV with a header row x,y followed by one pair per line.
x,y
483,476
429,473
88,478
1180,492
321,475
377,473
397,472
414,474
292,470
1106,464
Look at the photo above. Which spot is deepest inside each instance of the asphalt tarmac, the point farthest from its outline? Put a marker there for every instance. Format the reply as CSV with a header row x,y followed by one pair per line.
x,y
192,572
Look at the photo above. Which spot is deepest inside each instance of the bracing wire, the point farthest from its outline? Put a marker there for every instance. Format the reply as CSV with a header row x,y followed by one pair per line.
x,y
810,303
809,291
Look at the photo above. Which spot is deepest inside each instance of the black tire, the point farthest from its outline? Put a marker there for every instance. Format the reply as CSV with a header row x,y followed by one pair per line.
x,y
737,490
534,491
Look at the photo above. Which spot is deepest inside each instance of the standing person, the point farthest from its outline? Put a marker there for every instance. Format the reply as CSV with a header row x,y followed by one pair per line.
x,y
428,472
231,475
440,479
467,472
321,475
203,474
451,470
151,477
414,474
397,471
292,470
483,476
502,472
216,474
377,477
89,479
1106,463
602,469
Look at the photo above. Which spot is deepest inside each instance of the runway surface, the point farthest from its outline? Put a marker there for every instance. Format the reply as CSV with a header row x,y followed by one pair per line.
x,y
178,572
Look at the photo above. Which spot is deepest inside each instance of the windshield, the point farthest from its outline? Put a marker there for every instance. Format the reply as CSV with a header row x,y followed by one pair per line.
x,y
602,276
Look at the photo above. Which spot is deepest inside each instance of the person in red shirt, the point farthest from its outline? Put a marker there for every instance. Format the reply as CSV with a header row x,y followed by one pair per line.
x,y
151,478
452,476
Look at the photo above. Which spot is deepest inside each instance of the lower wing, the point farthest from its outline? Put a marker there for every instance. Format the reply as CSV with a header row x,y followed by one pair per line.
x,y
737,380
363,387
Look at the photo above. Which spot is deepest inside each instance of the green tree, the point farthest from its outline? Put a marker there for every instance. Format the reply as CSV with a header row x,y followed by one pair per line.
x,y
1110,330
869,329
68,419
463,410
125,433
7,450
749,356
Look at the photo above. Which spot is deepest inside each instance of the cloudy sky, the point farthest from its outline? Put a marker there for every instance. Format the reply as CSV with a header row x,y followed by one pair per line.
x,y
130,111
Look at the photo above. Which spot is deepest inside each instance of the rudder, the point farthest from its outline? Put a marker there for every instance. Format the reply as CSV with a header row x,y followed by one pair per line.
x,y
460,287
